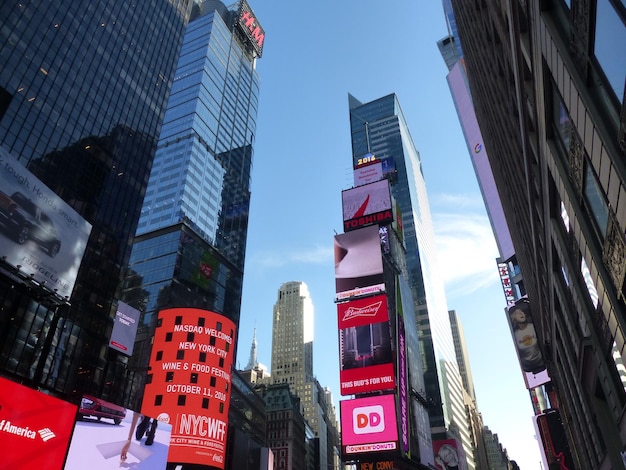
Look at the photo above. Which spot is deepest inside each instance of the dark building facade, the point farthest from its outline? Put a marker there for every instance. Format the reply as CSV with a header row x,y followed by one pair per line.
x,y
83,89
547,81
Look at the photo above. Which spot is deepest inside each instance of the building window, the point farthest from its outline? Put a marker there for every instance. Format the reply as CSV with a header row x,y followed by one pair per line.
x,y
610,33
595,200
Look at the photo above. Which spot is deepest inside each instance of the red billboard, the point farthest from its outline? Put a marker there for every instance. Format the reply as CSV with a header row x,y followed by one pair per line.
x,y
369,204
189,383
369,425
35,428
250,26
365,346
358,263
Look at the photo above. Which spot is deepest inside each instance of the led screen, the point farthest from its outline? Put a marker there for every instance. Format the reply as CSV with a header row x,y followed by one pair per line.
x,y
358,263
365,205
365,346
189,383
39,233
35,428
369,424
124,329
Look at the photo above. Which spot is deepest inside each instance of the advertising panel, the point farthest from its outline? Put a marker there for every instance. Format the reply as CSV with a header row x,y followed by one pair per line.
x,y
526,343
107,436
369,425
39,233
449,454
124,329
554,441
190,381
368,173
35,428
251,28
365,346
358,263
366,205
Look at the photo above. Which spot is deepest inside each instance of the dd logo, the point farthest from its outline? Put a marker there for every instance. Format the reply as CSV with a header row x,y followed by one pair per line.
x,y
368,419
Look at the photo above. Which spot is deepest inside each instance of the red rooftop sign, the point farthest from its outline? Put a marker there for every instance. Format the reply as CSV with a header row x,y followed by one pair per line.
x,y
251,27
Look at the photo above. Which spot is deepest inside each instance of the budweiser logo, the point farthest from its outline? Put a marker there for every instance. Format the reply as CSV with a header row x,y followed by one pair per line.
x,y
367,311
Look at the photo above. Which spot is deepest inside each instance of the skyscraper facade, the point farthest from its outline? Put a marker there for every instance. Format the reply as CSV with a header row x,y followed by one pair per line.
x,y
379,128
83,89
553,119
292,363
190,243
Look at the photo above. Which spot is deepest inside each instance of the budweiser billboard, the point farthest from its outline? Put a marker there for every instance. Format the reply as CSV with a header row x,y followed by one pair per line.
x,y
365,346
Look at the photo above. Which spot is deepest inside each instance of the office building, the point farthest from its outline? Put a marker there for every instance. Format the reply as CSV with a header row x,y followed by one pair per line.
x,y
191,237
547,83
292,363
379,128
83,89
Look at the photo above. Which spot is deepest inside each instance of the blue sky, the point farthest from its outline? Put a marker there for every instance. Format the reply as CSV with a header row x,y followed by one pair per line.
x,y
315,54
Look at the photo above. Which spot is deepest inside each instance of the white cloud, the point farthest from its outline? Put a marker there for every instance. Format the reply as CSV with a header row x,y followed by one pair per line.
x,y
316,254
466,250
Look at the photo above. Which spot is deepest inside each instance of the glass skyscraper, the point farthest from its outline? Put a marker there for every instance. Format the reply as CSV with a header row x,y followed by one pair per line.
x,y
191,237
83,88
379,127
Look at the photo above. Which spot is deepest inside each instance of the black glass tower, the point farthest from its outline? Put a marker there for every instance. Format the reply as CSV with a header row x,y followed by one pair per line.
x,y
83,89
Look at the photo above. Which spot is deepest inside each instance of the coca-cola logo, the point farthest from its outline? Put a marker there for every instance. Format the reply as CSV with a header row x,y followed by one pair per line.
x,y
367,311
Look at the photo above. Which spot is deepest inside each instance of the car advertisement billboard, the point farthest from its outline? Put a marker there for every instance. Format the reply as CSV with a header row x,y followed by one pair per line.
x,y
124,329
449,454
369,425
35,428
40,234
189,383
365,346
358,263
365,205
107,436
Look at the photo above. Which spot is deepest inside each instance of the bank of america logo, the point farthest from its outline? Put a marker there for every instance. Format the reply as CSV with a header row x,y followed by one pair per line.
x,y
46,434
368,311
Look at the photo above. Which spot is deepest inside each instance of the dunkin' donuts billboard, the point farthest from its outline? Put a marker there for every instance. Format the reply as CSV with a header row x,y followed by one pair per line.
x,y
189,383
369,425
365,346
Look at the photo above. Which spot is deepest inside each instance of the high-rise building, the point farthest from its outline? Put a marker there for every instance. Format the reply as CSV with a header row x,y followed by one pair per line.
x,y
552,115
379,128
83,89
191,238
292,363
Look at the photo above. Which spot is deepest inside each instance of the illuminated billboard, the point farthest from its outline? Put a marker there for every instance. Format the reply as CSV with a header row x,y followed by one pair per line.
x,y
138,442
369,425
365,205
39,233
365,346
189,383
525,337
358,263
368,173
124,329
449,454
554,440
250,26
35,428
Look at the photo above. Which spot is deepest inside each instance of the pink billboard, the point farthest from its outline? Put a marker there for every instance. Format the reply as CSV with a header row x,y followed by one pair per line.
x,y
369,424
